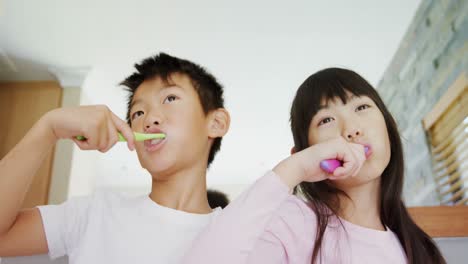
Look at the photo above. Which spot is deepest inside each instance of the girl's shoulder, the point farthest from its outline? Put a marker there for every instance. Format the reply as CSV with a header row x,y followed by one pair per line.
x,y
293,227
294,215
297,207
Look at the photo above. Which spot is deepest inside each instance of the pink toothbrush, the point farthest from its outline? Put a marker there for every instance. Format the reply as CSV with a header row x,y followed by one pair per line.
x,y
330,165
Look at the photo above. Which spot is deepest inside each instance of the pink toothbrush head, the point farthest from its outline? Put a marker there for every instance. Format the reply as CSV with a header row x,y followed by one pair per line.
x,y
330,165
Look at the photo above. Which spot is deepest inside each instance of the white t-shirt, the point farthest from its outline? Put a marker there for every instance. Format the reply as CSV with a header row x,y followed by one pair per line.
x,y
111,228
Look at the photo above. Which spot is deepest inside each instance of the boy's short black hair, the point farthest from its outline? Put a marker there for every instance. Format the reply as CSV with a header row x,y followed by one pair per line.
x,y
162,65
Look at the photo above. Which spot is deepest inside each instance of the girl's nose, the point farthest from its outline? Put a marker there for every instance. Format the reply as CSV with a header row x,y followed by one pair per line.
x,y
353,134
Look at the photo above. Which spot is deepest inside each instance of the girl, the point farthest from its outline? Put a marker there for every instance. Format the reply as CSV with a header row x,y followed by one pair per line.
x,y
353,215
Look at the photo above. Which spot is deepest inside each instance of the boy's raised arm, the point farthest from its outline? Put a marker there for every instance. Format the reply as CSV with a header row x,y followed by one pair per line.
x,y
22,232
17,170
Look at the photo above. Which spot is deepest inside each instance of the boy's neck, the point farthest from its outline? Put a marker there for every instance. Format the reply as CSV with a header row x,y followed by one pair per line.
x,y
364,206
184,190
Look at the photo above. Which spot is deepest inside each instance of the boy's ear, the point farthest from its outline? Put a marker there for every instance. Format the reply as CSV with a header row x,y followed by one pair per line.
x,y
293,150
219,123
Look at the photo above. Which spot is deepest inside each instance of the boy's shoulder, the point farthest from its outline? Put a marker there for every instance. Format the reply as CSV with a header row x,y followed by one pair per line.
x,y
102,200
112,199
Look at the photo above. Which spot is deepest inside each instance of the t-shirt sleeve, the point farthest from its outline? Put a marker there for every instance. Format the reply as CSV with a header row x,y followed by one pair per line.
x,y
64,224
288,237
238,227
268,249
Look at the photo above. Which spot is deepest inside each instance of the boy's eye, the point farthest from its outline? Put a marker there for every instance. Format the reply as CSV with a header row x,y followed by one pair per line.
x,y
325,120
136,114
362,107
169,99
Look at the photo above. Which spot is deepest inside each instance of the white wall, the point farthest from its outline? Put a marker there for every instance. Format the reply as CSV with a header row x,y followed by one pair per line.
x,y
63,155
261,51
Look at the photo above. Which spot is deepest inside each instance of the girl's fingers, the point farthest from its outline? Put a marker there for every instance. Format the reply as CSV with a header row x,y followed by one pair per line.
x,y
350,164
345,170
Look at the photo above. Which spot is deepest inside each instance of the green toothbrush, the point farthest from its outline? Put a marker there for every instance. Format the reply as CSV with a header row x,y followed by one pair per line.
x,y
138,136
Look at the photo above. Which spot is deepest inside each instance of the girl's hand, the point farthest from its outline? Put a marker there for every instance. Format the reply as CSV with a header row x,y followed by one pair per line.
x,y
305,165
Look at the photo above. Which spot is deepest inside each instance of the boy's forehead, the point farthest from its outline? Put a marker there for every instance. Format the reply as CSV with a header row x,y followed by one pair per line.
x,y
158,84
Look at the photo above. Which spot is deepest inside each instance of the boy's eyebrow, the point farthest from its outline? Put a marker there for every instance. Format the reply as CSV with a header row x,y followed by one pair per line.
x,y
137,101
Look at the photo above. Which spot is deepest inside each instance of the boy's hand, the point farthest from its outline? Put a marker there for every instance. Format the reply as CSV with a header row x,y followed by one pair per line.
x,y
97,123
305,165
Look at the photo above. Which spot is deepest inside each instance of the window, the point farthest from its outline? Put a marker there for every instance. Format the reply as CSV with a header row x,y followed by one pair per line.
x,y
447,129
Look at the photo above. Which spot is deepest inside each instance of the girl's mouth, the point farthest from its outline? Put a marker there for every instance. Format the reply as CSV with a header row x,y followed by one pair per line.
x,y
368,151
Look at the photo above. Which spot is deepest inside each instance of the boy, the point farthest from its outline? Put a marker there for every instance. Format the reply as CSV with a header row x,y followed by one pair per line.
x,y
167,95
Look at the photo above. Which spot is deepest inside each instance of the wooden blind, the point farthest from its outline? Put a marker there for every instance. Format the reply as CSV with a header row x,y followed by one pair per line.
x,y
447,129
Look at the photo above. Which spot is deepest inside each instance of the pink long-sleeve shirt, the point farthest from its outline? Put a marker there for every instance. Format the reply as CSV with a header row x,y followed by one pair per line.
x,y
267,224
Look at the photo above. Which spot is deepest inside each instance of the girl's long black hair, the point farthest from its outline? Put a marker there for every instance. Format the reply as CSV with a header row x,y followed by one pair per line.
x,y
329,84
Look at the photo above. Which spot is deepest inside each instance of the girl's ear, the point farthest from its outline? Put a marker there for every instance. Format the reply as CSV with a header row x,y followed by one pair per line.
x,y
219,121
293,150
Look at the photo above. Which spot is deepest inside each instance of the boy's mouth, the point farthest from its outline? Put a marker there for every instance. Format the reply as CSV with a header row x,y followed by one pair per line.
x,y
153,144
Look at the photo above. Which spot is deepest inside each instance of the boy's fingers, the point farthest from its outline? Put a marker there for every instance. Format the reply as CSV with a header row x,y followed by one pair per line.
x,y
103,137
125,130
92,139
82,144
112,135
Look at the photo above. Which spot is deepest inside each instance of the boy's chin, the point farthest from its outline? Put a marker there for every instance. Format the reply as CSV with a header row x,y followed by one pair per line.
x,y
156,167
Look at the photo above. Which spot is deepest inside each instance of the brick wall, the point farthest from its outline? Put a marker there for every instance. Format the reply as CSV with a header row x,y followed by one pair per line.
x,y
432,54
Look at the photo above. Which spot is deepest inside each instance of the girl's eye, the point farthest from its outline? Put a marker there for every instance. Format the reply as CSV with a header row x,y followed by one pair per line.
x,y
136,114
325,120
169,99
362,107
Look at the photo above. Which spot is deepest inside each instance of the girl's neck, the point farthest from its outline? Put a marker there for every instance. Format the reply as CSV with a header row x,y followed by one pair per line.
x,y
363,205
184,190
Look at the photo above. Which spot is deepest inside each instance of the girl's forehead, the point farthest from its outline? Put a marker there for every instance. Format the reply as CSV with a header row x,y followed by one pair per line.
x,y
338,100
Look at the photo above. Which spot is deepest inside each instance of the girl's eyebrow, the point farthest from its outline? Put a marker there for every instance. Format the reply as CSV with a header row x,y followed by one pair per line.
x,y
321,107
353,97
349,98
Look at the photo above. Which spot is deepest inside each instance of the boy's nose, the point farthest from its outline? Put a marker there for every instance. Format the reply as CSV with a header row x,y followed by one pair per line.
x,y
156,123
152,120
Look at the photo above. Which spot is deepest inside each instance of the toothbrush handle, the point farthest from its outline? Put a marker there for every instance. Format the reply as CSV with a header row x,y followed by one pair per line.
x,y
330,165
82,138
